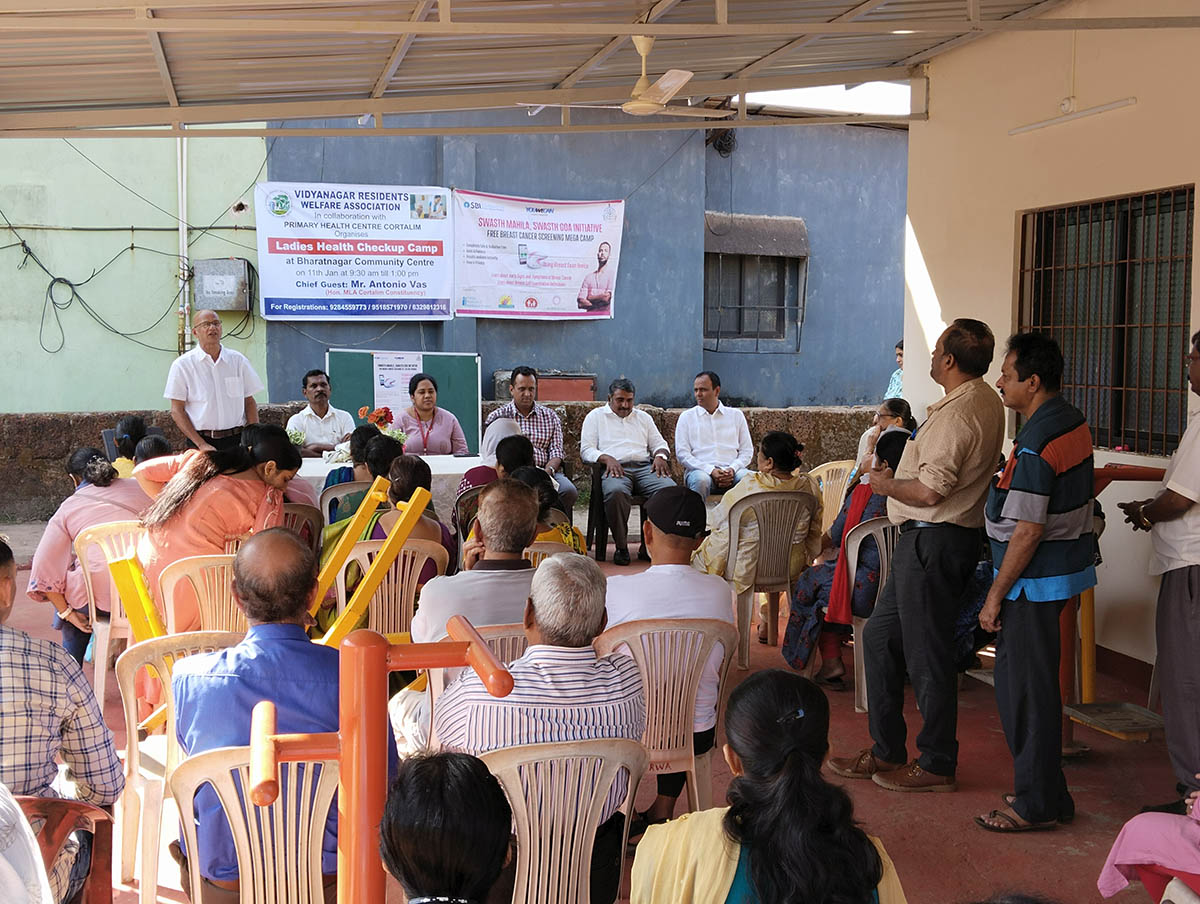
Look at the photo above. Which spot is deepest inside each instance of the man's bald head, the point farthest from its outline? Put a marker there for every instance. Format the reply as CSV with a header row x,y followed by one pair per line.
x,y
273,576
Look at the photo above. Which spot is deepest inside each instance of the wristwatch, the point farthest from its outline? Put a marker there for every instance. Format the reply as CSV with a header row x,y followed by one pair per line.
x,y
1142,521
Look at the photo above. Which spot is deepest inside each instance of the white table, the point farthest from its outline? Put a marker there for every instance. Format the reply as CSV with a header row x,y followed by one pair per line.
x,y
447,470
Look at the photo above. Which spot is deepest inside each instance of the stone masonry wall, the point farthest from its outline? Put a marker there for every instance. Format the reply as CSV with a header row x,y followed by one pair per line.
x,y
34,447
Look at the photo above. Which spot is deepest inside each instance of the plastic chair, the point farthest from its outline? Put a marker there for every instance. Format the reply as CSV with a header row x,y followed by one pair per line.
x,y
278,846
336,493
391,609
831,478
778,515
61,818
306,521
886,534
233,544
508,642
671,654
211,578
557,793
597,532
543,549
115,541
466,507
148,763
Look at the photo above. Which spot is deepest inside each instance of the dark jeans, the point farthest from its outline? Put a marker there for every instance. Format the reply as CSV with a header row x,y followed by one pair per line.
x,y
1030,704
912,627
74,641
221,442
671,784
606,865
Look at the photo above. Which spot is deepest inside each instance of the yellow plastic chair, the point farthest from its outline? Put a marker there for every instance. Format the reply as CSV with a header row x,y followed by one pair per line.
x,y
557,793
149,762
393,604
211,579
886,534
831,478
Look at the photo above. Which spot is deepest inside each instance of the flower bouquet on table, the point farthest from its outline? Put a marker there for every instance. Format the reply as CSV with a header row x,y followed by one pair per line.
x,y
382,419
297,437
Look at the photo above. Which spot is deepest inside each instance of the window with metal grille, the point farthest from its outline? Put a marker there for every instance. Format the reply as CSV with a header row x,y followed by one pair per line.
x,y
748,295
1111,281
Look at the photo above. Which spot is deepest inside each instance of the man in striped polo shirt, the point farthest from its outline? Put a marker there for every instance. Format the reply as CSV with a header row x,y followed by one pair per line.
x,y
1039,521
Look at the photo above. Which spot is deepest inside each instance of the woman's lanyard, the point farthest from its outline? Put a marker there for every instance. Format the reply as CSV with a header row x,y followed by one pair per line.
x,y
425,434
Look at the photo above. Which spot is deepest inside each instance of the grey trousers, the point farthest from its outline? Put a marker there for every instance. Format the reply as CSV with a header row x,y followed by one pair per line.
x,y
639,480
567,491
1177,627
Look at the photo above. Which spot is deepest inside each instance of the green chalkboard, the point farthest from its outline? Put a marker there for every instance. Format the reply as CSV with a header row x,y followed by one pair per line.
x,y
352,373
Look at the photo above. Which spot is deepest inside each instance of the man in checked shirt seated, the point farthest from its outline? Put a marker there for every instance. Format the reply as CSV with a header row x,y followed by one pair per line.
x,y
48,709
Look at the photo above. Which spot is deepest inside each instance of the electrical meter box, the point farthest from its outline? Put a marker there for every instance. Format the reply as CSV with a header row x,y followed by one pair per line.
x,y
221,284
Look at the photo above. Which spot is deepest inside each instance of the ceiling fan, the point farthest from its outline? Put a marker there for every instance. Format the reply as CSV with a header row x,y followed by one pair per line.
x,y
648,99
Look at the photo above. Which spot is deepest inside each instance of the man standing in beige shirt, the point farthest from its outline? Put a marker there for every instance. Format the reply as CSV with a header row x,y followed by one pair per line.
x,y
936,496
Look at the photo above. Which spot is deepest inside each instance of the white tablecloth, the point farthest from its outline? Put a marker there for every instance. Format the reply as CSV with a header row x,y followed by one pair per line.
x,y
447,473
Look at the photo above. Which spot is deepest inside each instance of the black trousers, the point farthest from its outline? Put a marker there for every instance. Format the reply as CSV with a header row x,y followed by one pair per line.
x,y
222,442
671,784
1030,704
912,628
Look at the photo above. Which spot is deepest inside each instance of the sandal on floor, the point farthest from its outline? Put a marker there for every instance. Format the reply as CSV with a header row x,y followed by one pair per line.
x,y
639,824
1011,824
1009,798
834,684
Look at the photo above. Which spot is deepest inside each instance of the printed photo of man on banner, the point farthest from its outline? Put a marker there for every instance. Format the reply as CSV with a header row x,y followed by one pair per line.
x,y
535,259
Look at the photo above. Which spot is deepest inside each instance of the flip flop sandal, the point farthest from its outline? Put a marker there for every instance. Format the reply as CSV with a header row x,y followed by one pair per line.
x,y
1012,825
1009,798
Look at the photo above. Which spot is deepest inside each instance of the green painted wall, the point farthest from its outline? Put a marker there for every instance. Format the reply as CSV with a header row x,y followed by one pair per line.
x,y
76,218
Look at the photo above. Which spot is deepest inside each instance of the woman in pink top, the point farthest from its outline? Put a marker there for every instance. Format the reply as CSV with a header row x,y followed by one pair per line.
x,y
431,430
1154,848
57,577
203,499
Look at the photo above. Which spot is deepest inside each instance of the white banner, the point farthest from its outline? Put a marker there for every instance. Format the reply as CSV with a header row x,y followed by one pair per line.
x,y
353,252
393,370
534,259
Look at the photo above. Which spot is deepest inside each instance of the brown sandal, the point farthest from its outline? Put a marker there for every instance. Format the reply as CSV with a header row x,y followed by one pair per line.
x,y
1011,823
1009,798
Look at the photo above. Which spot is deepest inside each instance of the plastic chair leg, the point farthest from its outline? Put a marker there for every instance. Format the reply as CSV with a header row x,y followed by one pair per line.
x,y
128,816
700,783
152,807
860,667
744,602
102,640
773,600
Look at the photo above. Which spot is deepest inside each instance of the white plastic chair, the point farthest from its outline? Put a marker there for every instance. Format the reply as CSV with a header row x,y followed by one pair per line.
x,y
391,608
337,493
148,763
306,521
544,549
278,847
117,540
557,793
508,642
778,515
211,579
886,534
234,543
671,654
831,478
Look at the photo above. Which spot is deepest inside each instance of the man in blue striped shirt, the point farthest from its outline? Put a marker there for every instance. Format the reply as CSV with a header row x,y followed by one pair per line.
x,y
1039,522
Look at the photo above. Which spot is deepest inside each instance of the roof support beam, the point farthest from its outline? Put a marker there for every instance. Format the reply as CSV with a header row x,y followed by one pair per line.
x,y
653,14
284,25
160,59
804,40
401,49
431,103
925,55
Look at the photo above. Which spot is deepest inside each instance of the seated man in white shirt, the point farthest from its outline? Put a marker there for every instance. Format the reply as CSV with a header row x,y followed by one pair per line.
x,y
712,441
671,588
635,456
323,425
561,692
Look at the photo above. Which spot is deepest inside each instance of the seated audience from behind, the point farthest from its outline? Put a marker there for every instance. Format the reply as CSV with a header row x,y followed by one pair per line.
x,y
57,577
671,588
561,692
130,431
273,578
357,470
378,454
512,452
552,526
48,711
891,413
787,834
153,445
408,472
485,472
446,827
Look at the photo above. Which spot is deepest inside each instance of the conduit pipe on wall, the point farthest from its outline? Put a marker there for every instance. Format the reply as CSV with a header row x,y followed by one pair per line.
x,y
185,308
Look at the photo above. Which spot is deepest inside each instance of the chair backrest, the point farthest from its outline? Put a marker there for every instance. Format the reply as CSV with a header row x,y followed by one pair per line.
x,y
778,514
278,847
161,654
556,516
336,493
211,579
557,793
831,479
508,642
391,608
670,654
885,533
306,521
543,549
117,540
234,543
62,817
466,507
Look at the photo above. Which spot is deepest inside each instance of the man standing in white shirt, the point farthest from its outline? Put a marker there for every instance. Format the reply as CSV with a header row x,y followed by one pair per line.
x,y
635,457
323,425
672,588
712,441
211,389
1173,519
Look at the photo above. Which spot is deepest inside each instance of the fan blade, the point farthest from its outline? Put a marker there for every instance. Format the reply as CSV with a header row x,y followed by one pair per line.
x,y
697,112
666,87
574,106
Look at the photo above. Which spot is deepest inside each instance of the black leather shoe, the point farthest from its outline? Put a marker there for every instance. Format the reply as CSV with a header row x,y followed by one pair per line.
x,y
621,557
1178,807
643,554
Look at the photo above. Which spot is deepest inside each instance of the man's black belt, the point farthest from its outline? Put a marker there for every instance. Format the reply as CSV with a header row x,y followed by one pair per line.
x,y
906,526
220,434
